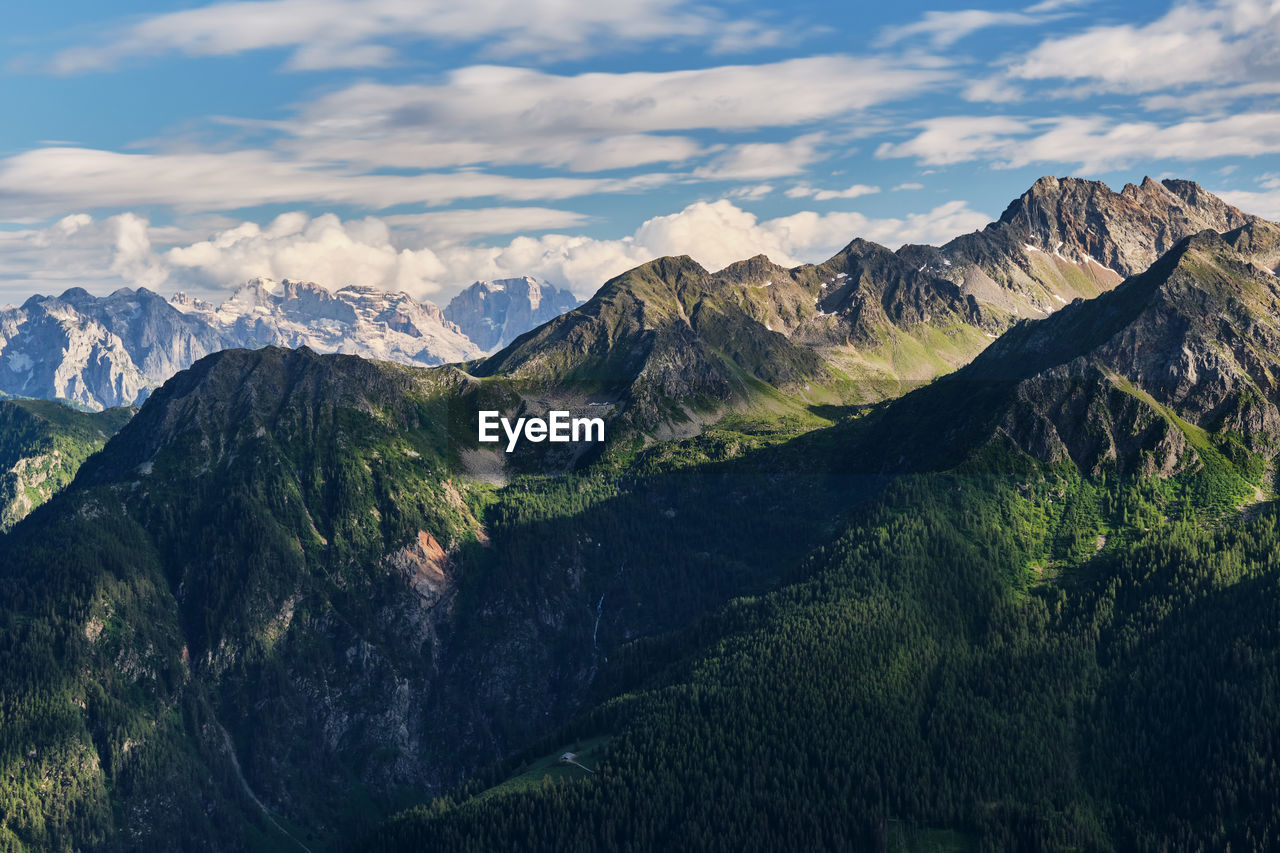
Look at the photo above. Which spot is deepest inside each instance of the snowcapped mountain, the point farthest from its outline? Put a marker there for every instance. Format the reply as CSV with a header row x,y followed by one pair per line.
x,y
494,313
357,320
104,351
97,352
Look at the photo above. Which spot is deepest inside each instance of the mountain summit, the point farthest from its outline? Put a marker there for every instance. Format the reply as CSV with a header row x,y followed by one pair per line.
x,y
493,313
869,323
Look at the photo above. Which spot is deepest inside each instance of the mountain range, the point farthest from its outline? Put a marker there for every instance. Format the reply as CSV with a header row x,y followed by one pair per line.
x,y
100,352
967,547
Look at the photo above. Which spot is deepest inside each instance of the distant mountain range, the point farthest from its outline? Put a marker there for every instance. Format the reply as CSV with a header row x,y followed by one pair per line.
x,y
99,352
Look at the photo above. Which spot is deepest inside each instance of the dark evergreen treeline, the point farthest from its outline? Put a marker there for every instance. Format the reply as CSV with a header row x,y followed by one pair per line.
x,y
1004,657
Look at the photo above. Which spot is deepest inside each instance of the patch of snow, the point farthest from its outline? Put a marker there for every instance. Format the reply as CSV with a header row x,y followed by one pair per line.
x,y
20,362
1060,299
1092,259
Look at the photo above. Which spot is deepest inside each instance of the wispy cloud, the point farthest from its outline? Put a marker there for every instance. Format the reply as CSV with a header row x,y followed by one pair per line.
x,y
1094,143
855,191
328,34
588,122
338,148
48,181
1230,41
943,29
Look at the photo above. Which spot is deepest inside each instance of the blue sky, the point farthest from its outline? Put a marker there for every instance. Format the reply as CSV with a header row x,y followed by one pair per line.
x,y
421,145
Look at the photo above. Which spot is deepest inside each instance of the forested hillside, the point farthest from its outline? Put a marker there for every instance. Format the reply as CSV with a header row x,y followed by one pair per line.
x,y
42,445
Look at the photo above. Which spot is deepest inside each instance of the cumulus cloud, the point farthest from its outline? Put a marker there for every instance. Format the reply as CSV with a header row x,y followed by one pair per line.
x,y
715,234
399,255
326,34
78,250
322,249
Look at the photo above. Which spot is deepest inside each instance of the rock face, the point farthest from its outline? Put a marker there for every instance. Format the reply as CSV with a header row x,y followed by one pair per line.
x,y
494,313
869,323
1125,231
99,352
51,348
361,321
1175,365
1195,339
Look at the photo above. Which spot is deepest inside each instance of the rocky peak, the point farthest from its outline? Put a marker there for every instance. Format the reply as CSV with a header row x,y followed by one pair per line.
x,y
494,313
1125,231
1259,241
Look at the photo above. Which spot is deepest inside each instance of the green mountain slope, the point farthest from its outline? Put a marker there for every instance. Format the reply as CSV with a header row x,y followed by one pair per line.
x,y
42,444
278,579
1054,630
671,347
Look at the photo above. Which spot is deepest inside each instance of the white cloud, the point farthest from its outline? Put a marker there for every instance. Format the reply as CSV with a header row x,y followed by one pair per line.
x,y
909,185
752,193
332,150
806,191
322,249
1230,41
587,122
754,161
134,259
359,33
48,181
1265,204
76,250
1218,100
1094,143
944,29
957,139
995,90
715,234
